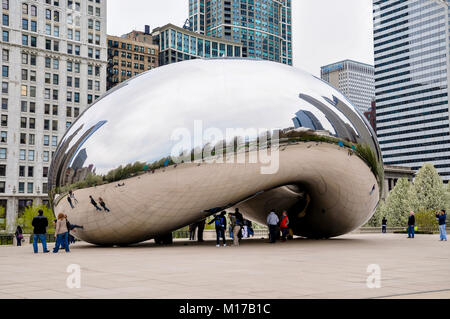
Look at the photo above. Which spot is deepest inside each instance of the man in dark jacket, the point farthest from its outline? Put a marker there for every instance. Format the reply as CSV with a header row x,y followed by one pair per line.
x,y
40,224
442,216
239,223
411,224
221,224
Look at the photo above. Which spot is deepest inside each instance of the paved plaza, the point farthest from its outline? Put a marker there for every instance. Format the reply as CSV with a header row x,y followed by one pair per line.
x,y
299,269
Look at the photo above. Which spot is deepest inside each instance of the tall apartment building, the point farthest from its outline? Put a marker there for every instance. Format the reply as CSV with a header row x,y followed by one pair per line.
x,y
354,79
128,56
178,44
264,27
53,57
412,72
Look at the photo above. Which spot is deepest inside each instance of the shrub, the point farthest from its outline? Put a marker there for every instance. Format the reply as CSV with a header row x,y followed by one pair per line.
x,y
25,221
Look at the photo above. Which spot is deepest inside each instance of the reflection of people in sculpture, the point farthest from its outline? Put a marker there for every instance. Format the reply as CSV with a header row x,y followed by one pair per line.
x,y
72,196
94,203
102,203
70,202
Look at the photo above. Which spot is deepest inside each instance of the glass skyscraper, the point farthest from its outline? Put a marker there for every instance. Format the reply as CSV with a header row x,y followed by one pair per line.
x,y
264,27
412,71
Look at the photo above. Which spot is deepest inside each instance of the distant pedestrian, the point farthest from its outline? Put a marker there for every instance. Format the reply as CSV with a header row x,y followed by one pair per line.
x,y
272,223
220,222
201,228
384,225
284,225
40,224
94,203
70,202
61,234
19,235
192,228
102,203
230,227
237,228
411,224
442,216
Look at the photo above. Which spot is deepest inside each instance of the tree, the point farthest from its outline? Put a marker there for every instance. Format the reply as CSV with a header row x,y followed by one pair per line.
x,y
380,212
428,190
25,221
398,203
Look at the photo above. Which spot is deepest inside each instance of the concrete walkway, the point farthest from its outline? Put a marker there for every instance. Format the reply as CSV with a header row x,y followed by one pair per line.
x,y
336,268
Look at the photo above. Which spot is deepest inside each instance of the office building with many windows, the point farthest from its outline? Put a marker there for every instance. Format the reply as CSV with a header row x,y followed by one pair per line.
x,y
412,71
127,57
178,44
354,79
53,58
264,27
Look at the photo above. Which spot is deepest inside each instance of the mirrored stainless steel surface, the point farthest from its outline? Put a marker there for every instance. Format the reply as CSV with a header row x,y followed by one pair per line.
x,y
128,159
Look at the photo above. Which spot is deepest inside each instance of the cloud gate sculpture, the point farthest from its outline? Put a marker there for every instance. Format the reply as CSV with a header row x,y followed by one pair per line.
x,y
190,139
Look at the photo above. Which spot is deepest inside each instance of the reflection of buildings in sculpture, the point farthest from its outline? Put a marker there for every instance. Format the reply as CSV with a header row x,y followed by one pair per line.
x,y
78,162
63,162
308,120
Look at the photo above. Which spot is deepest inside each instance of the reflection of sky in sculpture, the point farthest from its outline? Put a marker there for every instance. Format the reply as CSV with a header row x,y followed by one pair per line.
x,y
142,115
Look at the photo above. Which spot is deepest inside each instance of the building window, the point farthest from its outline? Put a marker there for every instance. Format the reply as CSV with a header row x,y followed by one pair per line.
x,y
2,153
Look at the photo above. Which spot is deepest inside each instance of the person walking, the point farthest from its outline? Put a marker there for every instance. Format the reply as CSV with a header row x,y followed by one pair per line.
x,y
192,228
94,203
235,229
40,224
19,235
284,225
70,202
102,203
272,222
221,225
442,216
384,225
61,234
411,224
201,227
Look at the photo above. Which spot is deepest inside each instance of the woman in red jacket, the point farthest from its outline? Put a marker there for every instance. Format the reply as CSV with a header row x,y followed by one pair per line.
x,y
284,225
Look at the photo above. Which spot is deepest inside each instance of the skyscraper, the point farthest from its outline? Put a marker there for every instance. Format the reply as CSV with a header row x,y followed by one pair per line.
x,y
354,79
264,27
412,72
53,57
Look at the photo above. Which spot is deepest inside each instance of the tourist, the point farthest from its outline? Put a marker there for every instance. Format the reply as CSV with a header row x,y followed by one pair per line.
x,y
201,227
411,224
102,203
70,202
384,225
284,225
230,228
40,224
251,232
192,228
272,223
71,227
442,216
19,235
237,228
61,234
94,203
221,224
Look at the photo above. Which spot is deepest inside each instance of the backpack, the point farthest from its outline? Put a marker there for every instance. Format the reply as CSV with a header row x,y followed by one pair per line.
x,y
219,221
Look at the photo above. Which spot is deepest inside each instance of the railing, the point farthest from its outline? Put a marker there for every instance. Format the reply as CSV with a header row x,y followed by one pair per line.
x,y
6,239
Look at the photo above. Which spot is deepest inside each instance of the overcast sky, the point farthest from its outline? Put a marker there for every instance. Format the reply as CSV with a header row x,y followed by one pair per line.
x,y
324,31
